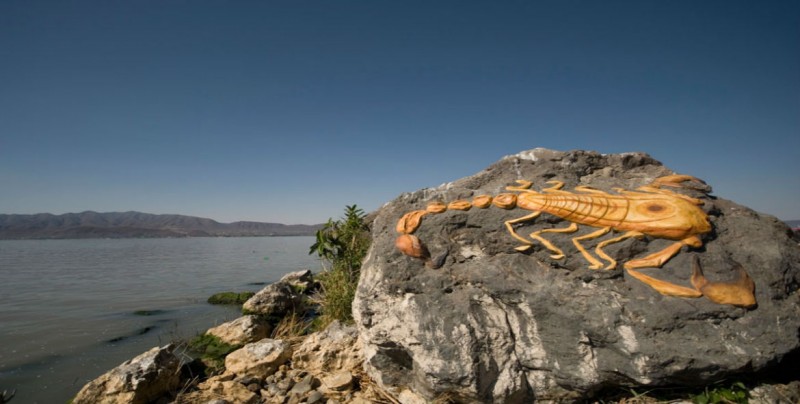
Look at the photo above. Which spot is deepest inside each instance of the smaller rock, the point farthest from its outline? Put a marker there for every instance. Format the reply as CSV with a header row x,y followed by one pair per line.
x,y
248,379
212,389
284,385
776,393
340,381
314,397
232,391
302,279
243,330
275,390
259,358
409,397
304,386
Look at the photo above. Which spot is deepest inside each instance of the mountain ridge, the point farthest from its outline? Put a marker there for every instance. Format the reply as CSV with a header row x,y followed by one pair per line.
x,y
133,224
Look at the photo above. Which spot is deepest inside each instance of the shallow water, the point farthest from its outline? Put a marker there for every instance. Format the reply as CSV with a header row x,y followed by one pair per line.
x,y
68,308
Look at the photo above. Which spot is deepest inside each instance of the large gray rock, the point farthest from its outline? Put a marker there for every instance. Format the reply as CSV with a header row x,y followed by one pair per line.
x,y
494,324
143,379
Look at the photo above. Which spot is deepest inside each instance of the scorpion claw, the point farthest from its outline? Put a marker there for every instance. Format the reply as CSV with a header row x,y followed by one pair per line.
x,y
522,248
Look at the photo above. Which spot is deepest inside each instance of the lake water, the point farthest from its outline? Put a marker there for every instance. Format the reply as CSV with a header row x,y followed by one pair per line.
x,y
68,307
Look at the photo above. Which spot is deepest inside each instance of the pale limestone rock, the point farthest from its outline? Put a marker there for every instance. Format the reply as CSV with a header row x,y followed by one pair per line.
x,y
229,391
258,358
409,397
339,381
143,379
335,348
302,279
243,330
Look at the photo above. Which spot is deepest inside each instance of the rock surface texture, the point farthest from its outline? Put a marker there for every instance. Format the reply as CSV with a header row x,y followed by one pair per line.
x,y
243,330
282,297
143,379
496,325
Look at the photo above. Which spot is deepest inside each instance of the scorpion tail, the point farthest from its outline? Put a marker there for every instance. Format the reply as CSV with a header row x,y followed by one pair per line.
x,y
412,246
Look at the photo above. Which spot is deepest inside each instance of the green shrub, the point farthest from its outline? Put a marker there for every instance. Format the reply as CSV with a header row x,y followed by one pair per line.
x,y
342,246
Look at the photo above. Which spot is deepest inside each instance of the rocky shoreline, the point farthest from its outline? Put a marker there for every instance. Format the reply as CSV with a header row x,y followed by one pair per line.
x,y
489,323
321,367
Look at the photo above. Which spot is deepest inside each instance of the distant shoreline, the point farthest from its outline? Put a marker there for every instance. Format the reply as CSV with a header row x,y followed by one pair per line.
x,y
122,225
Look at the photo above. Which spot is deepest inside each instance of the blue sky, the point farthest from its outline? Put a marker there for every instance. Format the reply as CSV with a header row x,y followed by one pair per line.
x,y
286,111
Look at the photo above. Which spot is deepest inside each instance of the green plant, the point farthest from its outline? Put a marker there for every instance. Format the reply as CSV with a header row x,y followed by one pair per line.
x,y
212,351
342,245
734,393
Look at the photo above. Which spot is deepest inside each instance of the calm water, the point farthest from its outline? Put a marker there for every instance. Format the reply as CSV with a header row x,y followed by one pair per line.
x,y
67,307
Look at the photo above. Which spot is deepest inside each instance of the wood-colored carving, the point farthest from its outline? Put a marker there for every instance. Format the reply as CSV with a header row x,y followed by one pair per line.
x,y
650,210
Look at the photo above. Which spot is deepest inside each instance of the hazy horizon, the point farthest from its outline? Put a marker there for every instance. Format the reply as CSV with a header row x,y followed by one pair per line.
x,y
285,112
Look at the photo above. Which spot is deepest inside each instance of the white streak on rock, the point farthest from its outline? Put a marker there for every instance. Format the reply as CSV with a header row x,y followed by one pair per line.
x,y
629,341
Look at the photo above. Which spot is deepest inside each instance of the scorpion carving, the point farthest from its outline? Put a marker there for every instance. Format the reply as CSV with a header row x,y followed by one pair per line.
x,y
651,211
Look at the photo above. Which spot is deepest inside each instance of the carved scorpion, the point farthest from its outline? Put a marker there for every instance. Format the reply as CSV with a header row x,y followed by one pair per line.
x,y
649,211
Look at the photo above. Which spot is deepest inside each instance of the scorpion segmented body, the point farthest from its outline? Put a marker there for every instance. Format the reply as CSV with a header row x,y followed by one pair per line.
x,y
660,215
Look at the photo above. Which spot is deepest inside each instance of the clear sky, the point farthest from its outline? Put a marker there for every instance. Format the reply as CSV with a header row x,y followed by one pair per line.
x,y
286,111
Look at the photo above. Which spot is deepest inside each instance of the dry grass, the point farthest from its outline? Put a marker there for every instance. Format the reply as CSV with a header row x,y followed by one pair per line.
x,y
292,328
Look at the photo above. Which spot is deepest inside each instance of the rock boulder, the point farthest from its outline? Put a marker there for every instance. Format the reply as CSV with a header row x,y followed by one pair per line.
x,y
259,358
243,330
282,297
144,379
495,324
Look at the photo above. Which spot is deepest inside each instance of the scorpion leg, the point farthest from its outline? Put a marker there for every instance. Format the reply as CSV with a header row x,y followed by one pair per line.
x,y
524,185
510,227
589,190
679,180
663,287
657,259
612,263
558,253
592,260
555,188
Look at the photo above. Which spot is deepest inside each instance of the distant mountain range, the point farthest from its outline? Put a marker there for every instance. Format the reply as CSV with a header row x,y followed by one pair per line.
x,y
136,225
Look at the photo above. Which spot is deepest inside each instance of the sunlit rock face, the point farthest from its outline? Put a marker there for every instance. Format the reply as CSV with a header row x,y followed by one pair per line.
x,y
146,378
496,324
